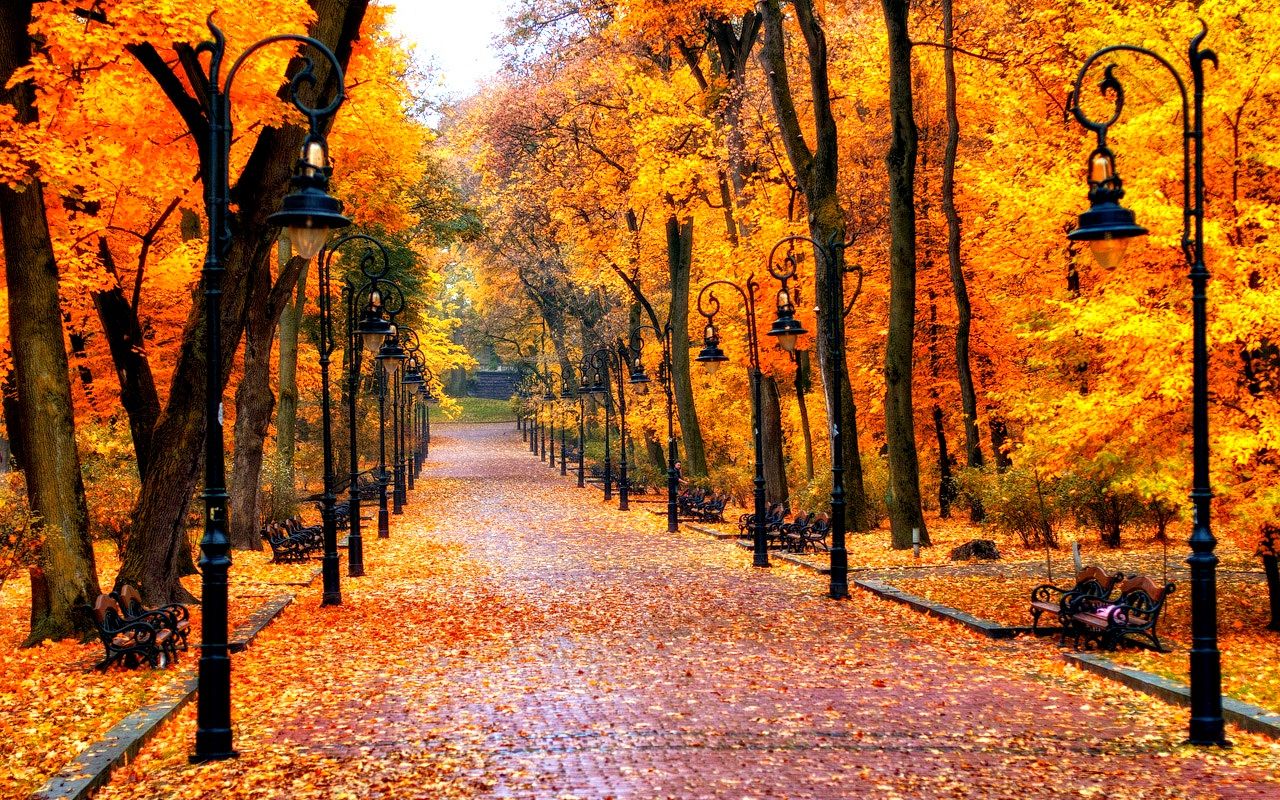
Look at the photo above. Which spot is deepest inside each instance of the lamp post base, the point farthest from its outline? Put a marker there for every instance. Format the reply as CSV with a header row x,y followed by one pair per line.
x,y
202,759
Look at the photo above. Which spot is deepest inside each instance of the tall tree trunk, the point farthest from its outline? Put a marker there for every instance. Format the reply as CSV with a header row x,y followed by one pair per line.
x,y
255,401
151,555
775,468
283,492
817,172
138,395
964,368
680,265
946,479
904,468
803,384
55,489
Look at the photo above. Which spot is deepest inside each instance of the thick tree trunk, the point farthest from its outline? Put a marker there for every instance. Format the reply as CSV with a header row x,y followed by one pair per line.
x,y
817,172
151,555
283,492
680,263
904,468
55,489
775,468
254,403
138,395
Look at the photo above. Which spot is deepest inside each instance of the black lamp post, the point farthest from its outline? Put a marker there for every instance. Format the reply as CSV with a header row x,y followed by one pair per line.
x,y
412,382
712,356
309,212
582,422
787,328
664,377
566,393
390,354
332,594
1107,226
549,398
368,332
616,365
431,399
598,364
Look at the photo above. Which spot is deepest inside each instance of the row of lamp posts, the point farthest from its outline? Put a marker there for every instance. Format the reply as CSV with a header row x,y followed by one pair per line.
x,y
309,213
1107,228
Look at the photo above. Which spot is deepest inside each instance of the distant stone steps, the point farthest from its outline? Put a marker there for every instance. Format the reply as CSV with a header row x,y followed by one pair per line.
x,y
495,384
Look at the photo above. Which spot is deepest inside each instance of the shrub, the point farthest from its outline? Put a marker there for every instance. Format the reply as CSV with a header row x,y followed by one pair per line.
x,y
19,536
1018,501
1102,502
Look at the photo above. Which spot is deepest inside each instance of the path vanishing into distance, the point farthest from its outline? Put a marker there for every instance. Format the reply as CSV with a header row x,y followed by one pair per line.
x,y
516,637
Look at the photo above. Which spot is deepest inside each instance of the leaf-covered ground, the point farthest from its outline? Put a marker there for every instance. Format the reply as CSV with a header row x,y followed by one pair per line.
x,y
1250,667
54,704
517,638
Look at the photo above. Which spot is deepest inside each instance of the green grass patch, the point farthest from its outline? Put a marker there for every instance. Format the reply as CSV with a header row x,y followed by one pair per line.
x,y
482,409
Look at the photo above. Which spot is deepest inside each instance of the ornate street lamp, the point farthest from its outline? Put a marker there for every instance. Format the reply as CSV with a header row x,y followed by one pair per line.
x,y
664,378
549,398
583,391
411,382
390,354
1107,227
566,393
332,593
597,363
711,357
392,357
367,328
616,365
786,328
309,212
429,396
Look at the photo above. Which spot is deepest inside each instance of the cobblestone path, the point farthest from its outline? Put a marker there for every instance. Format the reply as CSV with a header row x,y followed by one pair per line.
x,y
568,650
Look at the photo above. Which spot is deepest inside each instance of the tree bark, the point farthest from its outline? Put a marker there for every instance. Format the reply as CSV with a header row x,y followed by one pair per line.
x,y
55,488
904,469
138,395
1272,569
817,173
680,264
775,468
946,480
803,384
283,492
964,367
151,555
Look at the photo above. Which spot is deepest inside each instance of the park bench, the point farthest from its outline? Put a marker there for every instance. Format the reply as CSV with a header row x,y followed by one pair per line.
x,y
701,505
1058,600
816,532
790,535
1133,615
173,616
289,543
774,516
131,643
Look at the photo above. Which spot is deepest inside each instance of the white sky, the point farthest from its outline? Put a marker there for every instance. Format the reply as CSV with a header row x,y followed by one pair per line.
x,y
457,35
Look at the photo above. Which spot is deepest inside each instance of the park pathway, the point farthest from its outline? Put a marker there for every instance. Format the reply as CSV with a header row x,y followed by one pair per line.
x,y
518,638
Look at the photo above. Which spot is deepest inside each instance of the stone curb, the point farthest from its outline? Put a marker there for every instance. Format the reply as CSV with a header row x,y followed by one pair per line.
x,y
1247,716
93,767
708,531
992,630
